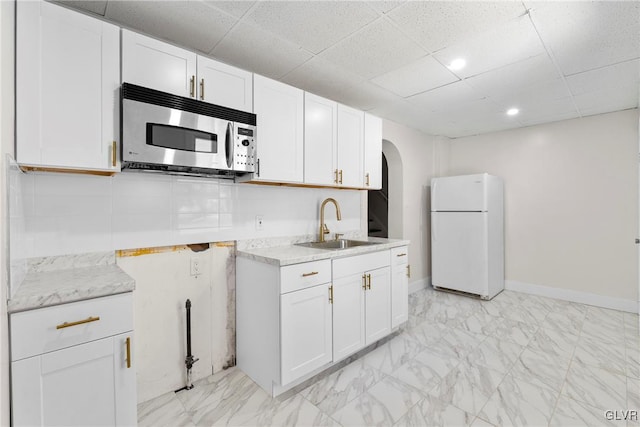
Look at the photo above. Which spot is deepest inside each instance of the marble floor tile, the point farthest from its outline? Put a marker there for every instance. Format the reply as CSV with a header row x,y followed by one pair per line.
x,y
529,311
165,410
295,411
596,387
594,352
495,354
633,393
519,403
427,333
571,412
516,332
479,422
564,321
510,297
468,387
382,405
633,361
605,332
554,341
610,318
456,343
426,370
480,323
541,369
393,354
336,390
631,323
433,412
494,308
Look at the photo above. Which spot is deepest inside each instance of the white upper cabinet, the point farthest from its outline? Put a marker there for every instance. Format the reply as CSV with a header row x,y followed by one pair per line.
x,y
372,152
222,84
350,146
280,116
67,89
157,65
320,140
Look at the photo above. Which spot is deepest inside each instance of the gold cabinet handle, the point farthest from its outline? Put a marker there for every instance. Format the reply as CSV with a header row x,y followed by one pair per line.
x,y
336,176
367,178
402,254
364,282
331,294
79,322
192,86
114,153
340,176
202,89
369,281
128,346
408,270
313,273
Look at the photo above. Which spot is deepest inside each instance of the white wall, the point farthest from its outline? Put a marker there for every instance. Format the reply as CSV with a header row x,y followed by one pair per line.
x,y
417,153
6,147
571,201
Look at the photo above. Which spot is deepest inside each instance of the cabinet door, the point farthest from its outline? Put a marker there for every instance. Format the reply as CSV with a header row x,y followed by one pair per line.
x,y
67,82
378,305
305,331
124,369
399,294
280,110
372,152
320,140
77,386
350,146
157,65
222,84
348,316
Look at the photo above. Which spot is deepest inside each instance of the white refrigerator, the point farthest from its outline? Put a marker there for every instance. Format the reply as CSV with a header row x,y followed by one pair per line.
x,y
467,234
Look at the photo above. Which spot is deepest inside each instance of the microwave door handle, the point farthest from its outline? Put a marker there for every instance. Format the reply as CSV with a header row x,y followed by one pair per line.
x,y
228,145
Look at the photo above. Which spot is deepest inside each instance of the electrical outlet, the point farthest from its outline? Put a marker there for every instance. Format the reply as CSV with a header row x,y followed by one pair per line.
x,y
195,267
259,222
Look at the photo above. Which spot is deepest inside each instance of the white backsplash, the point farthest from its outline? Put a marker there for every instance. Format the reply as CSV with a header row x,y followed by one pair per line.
x,y
56,213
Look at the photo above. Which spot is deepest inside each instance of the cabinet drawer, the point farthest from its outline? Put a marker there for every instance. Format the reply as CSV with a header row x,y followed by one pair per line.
x,y
400,255
38,331
357,264
300,276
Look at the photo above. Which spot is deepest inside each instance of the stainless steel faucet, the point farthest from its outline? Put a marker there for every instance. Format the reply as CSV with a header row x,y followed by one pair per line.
x,y
323,227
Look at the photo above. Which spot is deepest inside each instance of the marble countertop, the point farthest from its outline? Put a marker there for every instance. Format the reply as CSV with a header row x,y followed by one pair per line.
x,y
292,254
43,287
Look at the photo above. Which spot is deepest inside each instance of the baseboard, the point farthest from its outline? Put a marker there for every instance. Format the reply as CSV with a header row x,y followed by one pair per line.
x,y
621,304
418,285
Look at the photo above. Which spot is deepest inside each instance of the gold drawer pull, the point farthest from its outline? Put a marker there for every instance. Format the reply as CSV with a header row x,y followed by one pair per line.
x,y
128,345
331,294
192,86
408,270
79,322
313,273
367,178
401,255
114,154
369,281
340,176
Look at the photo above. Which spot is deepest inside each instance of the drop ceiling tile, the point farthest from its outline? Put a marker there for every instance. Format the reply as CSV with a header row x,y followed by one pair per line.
x,y
438,24
611,77
167,20
366,96
314,25
588,35
607,100
446,97
235,8
259,51
514,77
541,118
93,6
538,94
504,44
322,78
374,50
385,6
419,76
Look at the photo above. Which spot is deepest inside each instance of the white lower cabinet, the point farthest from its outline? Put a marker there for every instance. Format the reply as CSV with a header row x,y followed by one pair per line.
x,y
91,382
296,320
399,285
305,331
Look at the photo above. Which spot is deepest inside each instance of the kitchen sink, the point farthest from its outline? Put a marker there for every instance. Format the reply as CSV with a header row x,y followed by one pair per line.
x,y
336,244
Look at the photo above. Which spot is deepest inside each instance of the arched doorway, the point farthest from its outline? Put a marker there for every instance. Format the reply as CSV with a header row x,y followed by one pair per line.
x,y
385,205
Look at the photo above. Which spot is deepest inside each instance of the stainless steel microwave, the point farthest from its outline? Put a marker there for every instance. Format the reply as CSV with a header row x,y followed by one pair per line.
x,y
167,133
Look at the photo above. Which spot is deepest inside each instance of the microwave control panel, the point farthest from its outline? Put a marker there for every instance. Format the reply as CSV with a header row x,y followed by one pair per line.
x,y
245,156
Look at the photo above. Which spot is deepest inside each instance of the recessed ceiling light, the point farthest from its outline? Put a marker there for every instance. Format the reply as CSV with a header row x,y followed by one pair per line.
x,y
512,111
457,64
